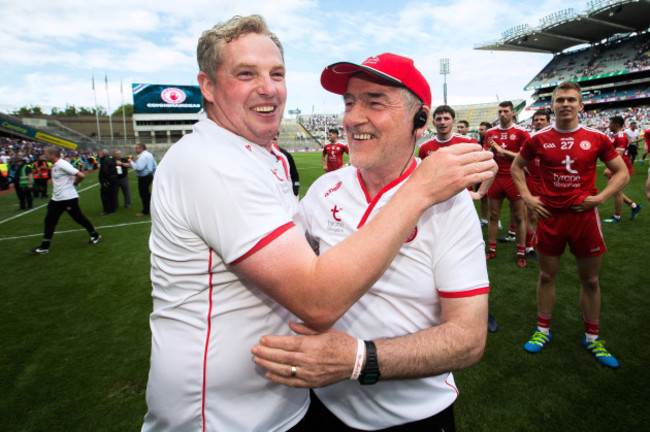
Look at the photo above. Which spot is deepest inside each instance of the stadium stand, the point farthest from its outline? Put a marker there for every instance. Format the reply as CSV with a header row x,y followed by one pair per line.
x,y
605,48
44,130
294,136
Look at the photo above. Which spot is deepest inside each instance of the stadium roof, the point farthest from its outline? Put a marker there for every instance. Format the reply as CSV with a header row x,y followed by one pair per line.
x,y
567,28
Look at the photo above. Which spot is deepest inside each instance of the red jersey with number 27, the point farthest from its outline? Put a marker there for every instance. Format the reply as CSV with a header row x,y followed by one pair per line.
x,y
568,163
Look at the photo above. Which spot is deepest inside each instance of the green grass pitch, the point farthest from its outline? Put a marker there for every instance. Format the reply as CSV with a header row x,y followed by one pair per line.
x,y
75,341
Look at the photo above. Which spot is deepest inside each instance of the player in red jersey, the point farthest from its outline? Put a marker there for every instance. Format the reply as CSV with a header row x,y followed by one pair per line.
x,y
505,141
567,211
541,119
333,152
621,144
444,119
462,127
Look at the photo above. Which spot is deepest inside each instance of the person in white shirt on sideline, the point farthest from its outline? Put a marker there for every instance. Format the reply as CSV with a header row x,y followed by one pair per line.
x,y
64,198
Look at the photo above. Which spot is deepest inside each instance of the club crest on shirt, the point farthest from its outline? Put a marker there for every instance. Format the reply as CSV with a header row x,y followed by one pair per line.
x,y
513,137
337,224
585,145
335,211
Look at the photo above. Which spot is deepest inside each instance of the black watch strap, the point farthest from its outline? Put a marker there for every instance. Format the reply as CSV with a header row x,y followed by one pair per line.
x,y
370,373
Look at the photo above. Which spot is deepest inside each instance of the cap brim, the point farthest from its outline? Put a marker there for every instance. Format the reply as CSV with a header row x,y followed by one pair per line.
x,y
335,77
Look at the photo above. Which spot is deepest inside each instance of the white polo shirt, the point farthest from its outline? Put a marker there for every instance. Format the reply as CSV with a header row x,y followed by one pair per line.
x,y
632,135
443,257
216,198
63,181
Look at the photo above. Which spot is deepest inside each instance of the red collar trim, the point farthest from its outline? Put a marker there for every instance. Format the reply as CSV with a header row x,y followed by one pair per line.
x,y
383,190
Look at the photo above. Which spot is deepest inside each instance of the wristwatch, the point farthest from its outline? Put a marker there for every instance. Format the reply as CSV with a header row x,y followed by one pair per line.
x,y
370,373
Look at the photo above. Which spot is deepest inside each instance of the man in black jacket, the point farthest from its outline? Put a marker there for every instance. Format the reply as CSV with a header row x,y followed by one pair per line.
x,y
122,179
108,181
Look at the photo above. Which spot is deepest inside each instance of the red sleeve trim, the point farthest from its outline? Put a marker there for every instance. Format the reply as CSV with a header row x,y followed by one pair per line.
x,y
265,241
461,294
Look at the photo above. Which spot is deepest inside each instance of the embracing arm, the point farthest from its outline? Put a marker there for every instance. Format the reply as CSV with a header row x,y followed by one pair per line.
x,y
320,289
326,358
455,344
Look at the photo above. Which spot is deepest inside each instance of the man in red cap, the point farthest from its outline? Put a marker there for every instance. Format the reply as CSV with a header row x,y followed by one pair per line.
x,y
427,314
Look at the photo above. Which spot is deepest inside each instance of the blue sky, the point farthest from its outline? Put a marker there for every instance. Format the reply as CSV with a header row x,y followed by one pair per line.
x,y
51,49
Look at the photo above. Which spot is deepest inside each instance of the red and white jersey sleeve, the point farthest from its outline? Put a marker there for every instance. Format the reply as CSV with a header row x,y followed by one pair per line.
x,y
443,257
435,144
511,139
216,198
568,163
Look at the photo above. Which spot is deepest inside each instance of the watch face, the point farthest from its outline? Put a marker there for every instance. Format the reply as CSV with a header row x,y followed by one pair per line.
x,y
369,377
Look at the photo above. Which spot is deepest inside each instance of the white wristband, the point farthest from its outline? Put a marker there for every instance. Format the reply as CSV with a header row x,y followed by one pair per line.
x,y
358,360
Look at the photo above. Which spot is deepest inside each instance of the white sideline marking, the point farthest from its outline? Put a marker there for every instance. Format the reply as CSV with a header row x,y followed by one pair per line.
x,y
40,207
77,230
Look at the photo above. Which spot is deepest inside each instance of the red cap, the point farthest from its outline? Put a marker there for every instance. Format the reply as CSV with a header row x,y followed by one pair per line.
x,y
393,68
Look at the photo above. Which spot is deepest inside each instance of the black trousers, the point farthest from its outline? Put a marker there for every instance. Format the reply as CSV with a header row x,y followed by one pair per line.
x,y
40,187
319,418
632,151
54,211
24,196
123,185
144,183
108,195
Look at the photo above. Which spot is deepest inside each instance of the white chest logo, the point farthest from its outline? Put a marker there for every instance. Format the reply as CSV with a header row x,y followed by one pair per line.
x,y
585,145
567,162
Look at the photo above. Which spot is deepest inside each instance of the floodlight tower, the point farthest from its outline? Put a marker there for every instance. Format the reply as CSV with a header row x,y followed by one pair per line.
x,y
444,70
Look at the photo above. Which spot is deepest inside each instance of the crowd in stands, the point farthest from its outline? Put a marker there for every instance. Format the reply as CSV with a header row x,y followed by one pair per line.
x,y
599,119
319,124
630,53
603,94
12,148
